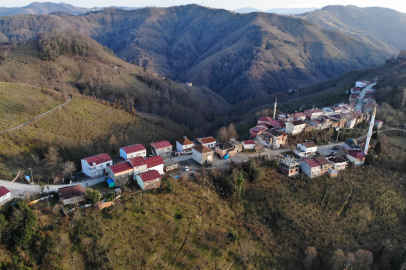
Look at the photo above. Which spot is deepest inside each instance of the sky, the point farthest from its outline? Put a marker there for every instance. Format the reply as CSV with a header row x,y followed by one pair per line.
x,y
399,5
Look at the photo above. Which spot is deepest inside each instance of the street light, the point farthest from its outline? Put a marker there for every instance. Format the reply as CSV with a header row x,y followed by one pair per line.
x,y
32,178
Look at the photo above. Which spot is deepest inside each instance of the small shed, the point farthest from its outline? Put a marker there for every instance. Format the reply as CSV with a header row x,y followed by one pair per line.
x,y
111,183
332,173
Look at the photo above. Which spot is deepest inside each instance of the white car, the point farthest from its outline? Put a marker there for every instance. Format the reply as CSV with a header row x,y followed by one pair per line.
x,y
186,168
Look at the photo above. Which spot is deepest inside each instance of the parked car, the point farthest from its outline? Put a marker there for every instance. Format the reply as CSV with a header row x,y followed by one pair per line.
x,y
336,147
186,168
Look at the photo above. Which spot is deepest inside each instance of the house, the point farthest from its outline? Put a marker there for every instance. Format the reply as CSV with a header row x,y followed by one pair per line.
x,y
350,122
136,150
250,144
338,162
202,154
378,124
237,145
332,173
313,114
155,163
351,145
289,166
96,165
255,131
184,145
356,157
328,111
58,179
315,167
277,138
161,148
355,90
354,98
360,84
5,194
317,124
224,149
340,119
295,127
72,194
368,99
305,149
121,173
138,164
208,141
285,117
270,121
299,116
149,180
347,107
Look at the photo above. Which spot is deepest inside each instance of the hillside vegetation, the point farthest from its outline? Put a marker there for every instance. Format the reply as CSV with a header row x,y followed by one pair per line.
x,y
82,128
386,25
19,103
238,56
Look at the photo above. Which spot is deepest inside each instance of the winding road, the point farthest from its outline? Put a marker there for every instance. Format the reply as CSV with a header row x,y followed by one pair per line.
x,y
358,107
39,116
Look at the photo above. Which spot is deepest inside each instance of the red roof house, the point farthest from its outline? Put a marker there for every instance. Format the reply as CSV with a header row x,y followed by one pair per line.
x,y
149,180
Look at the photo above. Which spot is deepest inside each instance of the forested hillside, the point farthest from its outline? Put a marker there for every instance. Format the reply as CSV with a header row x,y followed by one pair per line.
x,y
385,24
237,56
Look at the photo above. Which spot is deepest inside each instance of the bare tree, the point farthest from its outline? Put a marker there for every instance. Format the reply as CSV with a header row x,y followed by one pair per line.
x,y
223,134
363,259
232,132
365,216
311,254
35,158
53,159
338,260
69,168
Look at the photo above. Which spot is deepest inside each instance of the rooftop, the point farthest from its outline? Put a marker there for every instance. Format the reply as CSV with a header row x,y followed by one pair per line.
x,y
312,162
256,129
249,142
154,161
161,144
309,144
207,140
357,155
298,122
137,161
98,159
3,191
149,175
133,148
323,161
70,192
121,167
226,146
202,149
185,141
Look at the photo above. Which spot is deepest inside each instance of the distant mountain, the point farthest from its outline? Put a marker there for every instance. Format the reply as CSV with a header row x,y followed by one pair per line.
x,y
42,8
290,11
385,24
238,56
247,10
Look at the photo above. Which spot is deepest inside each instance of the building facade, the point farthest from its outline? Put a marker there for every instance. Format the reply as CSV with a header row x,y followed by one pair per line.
x,y
96,165
202,154
136,150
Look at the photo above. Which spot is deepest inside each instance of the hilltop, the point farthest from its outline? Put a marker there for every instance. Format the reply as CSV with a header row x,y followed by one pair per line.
x,y
218,49
42,8
387,25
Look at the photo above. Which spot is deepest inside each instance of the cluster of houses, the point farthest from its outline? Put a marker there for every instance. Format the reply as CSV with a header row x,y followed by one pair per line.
x,y
314,166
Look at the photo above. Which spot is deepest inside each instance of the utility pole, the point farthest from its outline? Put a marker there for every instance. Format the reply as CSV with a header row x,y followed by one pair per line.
x,y
32,178
338,132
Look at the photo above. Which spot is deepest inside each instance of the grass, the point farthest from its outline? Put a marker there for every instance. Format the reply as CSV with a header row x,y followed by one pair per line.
x,y
19,103
398,141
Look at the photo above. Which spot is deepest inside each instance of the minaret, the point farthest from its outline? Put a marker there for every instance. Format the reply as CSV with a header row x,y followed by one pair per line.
x,y
274,108
371,126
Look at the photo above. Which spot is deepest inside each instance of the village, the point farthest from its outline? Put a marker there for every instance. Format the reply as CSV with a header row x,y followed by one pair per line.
x,y
147,168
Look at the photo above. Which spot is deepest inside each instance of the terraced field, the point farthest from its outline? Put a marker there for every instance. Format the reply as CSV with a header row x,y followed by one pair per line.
x,y
19,103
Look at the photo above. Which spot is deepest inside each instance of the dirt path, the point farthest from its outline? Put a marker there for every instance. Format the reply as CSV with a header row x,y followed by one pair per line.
x,y
39,116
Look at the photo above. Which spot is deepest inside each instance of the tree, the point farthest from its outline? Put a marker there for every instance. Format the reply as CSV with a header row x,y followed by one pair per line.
x,y
363,258
52,158
378,148
69,168
370,158
253,170
232,132
222,134
338,260
375,136
93,196
311,254
240,181
365,216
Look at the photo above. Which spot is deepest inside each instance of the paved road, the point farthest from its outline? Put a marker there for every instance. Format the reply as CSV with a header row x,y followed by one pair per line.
x,y
39,116
358,107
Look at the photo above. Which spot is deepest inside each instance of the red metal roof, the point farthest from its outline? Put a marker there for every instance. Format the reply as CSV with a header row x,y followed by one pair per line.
x,y
357,155
3,191
70,192
249,142
137,161
153,161
256,129
202,149
161,144
185,141
149,175
207,140
273,122
98,159
121,167
298,122
313,163
133,148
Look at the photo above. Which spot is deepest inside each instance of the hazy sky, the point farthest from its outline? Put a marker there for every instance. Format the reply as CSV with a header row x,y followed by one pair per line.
x,y
399,5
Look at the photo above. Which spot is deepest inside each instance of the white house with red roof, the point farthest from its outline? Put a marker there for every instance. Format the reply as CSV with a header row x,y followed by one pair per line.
x,y
121,173
148,180
184,145
314,113
207,141
96,165
250,144
356,157
155,163
355,90
202,154
299,116
136,150
161,148
138,164
314,167
5,194
305,149
295,127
